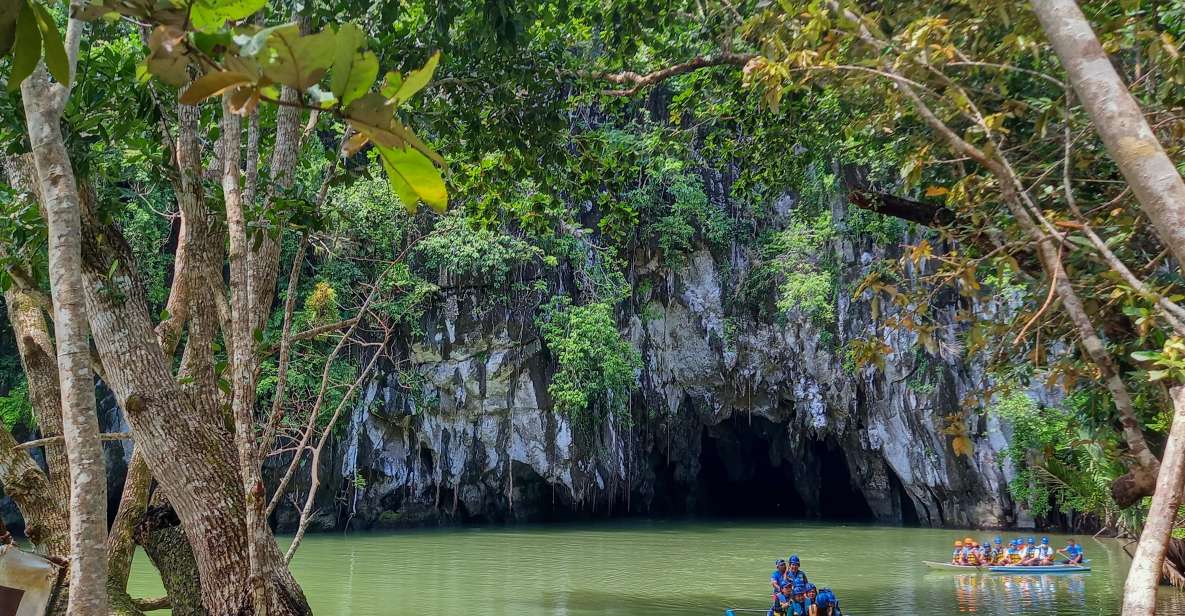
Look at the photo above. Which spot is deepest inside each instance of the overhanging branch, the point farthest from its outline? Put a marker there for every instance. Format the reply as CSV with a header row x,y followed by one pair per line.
x,y
637,81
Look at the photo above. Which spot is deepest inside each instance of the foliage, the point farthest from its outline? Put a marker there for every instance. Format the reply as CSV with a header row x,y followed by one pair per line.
x,y
16,412
457,247
597,367
1053,461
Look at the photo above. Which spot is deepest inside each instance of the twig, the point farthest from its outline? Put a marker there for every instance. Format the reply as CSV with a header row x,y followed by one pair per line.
x,y
49,440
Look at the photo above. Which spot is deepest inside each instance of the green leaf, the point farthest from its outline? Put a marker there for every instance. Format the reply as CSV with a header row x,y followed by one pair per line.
x,y
28,48
1157,375
354,78
391,84
297,61
210,15
164,314
55,52
416,80
414,178
211,84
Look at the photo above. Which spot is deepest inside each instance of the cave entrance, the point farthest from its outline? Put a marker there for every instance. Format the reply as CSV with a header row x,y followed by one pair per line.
x,y
839,498
742,474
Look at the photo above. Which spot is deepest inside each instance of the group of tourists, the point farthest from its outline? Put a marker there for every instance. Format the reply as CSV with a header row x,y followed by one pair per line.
x,y
1019,553
794,595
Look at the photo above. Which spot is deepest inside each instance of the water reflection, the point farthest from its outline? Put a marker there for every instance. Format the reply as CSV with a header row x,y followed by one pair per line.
x,y
1063,593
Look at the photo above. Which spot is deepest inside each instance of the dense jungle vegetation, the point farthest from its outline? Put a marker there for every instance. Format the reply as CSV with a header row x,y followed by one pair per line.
x,y
234,272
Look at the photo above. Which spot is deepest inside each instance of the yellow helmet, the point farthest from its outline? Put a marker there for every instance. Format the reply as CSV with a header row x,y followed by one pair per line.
x,y
958,544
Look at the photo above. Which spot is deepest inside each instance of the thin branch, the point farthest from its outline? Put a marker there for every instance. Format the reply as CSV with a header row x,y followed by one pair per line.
x,y
639,81
49,440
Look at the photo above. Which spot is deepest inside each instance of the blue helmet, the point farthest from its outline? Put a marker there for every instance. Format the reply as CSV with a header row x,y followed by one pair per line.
x,y
809,587
779,562
1031,540
826,598
798,589
1045,541
997,540
794,559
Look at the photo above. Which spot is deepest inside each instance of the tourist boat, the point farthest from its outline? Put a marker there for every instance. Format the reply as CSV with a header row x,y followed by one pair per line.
x,y
1059,568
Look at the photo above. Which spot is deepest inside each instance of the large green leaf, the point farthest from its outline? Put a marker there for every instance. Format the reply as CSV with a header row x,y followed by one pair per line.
x,y
55,53
353,71
27,48
210,15
414,178
416,80
297,61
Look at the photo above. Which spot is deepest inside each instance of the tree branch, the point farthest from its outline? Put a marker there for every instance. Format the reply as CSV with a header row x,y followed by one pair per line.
x,y
639,81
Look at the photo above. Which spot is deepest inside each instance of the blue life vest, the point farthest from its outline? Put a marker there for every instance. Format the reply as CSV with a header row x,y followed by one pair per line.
x,y
825,599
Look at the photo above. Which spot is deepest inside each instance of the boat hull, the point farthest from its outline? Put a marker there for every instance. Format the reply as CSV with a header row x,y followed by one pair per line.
x,y
1020,570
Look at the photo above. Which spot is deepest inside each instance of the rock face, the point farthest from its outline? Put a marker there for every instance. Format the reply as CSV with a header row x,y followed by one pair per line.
x,y
736,414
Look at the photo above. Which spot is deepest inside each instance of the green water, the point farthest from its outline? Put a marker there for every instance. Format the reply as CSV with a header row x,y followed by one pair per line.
x,y
647,568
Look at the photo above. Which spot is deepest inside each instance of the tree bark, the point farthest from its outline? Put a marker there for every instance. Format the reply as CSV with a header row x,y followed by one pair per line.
x,y
1144,575
80,423
184,441
243,360
47,524
1119,121
169,551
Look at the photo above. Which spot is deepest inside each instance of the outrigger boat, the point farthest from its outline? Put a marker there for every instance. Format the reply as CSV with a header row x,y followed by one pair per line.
x,y
1014,569
1059,568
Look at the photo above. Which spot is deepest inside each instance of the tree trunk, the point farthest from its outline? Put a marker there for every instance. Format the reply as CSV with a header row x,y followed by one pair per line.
x,y
182,438
1119,121
47,525
243,360
80,422
1140,590
169,551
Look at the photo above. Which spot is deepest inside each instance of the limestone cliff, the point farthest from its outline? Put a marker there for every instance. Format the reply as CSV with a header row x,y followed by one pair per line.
x,y
735,414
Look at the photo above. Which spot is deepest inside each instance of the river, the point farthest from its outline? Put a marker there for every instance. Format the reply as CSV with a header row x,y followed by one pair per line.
x,y
651,568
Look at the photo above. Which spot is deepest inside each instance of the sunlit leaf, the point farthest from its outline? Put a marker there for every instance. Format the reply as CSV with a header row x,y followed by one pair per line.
x,y
414,178
353,78
210,15
416,80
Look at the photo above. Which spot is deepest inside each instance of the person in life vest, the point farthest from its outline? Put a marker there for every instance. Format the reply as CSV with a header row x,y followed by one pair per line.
x,y
1072,552
956,558
1030,556
808,600
797,606
777,579
970,552
1017,553
794,574
1044,552
782,601
997,551
827,603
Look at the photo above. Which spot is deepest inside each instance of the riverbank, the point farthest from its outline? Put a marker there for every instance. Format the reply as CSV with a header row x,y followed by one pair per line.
x,y
643,568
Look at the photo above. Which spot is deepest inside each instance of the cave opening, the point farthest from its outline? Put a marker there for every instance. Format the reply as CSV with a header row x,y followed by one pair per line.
x,y
839,498
909,513
742,474
749,468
